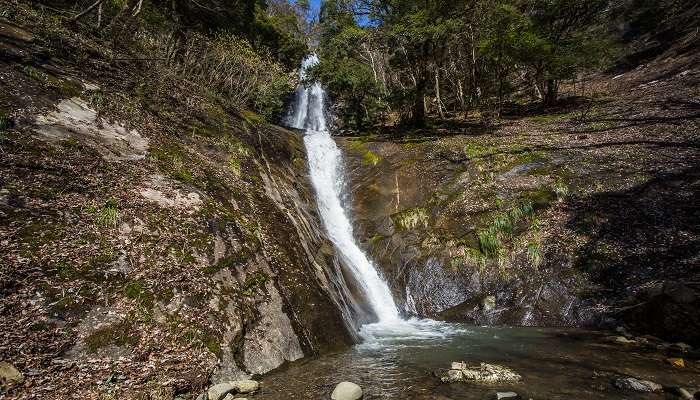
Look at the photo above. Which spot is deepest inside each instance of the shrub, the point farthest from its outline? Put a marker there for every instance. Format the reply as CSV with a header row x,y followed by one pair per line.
x,y
232,66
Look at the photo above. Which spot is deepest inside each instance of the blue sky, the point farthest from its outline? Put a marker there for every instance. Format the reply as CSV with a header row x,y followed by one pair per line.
x,y
315,6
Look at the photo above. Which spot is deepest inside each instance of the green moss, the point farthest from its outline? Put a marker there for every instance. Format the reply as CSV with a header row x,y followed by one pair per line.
x,y
253,283
231,261
173,160
119,334
252,118
369,158
547,118
134,290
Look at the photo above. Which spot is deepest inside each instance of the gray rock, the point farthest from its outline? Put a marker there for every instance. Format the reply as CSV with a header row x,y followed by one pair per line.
x,y
485,373
489,303
453,375
637,385
9,375
219,392
203,396
507,396
347,391
245,385
229,397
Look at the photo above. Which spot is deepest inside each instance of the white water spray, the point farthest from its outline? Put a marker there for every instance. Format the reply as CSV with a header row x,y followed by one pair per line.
x,y
325,164
326,170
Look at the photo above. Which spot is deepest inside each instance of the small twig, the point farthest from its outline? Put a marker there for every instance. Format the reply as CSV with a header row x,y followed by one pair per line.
x,y
87,10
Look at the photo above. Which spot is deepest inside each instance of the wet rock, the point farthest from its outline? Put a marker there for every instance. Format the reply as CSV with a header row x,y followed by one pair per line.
x,y
623,340
637,385
347,391
683,393
453,375
246,386
507,396
219,391
9,375
683,347
485,373
676,362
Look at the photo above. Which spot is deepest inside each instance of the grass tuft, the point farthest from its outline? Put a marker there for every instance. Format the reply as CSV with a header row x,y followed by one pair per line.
x,y
109,215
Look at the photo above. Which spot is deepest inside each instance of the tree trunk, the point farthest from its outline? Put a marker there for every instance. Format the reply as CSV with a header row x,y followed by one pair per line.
x,y
419,103
552,92
437,93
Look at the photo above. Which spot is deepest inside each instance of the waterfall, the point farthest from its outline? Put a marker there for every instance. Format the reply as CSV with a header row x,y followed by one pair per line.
x,y
327,178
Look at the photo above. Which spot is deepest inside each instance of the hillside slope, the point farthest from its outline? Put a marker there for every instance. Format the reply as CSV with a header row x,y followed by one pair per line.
x,y
152,238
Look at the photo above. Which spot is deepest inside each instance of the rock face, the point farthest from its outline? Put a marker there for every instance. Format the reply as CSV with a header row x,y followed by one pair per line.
x,y
347,391
183,230
637,385
421,213
485,373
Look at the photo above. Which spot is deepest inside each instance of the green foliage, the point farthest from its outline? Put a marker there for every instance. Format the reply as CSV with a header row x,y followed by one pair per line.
x,y
232,66
5,120
109,215
411,218
534,254
501,228
561,190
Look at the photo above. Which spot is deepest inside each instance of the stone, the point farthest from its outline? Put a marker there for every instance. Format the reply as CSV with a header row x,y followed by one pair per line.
x,y
203,396
637,385
683,393
347,391
489,303
459,365
229,397
683,347
623,340
485,373
245,385
219,391
676,362
453,375
9,375
507,396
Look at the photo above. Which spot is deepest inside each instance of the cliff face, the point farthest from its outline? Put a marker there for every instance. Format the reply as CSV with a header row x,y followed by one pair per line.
x,y
578,215
152,239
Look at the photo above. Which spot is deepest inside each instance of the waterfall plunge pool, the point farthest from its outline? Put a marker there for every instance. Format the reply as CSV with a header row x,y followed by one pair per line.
x,y
554,363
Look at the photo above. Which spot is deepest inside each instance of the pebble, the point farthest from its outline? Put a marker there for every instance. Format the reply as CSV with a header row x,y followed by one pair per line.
x,y
507,396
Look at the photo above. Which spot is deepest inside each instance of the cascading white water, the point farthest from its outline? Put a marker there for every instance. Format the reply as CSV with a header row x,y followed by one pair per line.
x,y
326,170
325,164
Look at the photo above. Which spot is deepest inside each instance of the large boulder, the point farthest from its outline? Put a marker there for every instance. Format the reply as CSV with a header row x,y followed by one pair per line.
x,y
347,391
